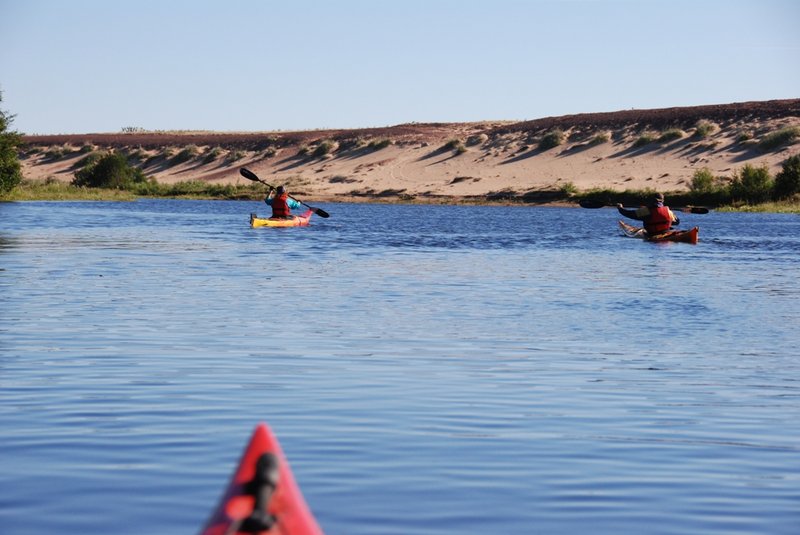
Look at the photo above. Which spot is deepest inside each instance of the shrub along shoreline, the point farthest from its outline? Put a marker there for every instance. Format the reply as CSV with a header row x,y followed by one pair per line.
x,y
60,191
54,190
110,176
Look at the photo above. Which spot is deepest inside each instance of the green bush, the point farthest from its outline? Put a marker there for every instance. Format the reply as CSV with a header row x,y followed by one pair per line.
x,y
10,169
779,138
137,154
705,188
353,143
109,171
599,139
235,155
671,135
451,144
378,144
56,153
787,181
552,139
455,145
212,154
89,159
703,129
324,148
186,154
644,139
197,189
752,184
163,156
703,181
568,189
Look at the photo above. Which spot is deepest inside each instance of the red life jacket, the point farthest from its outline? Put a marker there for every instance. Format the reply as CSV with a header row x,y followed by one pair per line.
x,y
280,208
658,221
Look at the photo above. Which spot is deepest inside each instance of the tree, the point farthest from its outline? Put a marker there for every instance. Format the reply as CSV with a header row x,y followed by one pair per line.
x,y
10,170
109,171
787,181
752,184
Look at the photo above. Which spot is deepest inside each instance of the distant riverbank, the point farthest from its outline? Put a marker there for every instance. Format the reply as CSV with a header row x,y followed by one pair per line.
x,y
541,161
59,191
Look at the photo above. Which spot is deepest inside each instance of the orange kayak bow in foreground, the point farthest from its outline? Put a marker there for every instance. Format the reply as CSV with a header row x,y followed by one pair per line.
x,y
685,236
262,497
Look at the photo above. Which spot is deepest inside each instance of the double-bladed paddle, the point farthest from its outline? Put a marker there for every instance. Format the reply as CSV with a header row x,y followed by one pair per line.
x,y
585,203
249,175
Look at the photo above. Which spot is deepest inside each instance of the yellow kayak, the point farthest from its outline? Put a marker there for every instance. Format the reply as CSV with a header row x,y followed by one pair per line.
x,y
301,220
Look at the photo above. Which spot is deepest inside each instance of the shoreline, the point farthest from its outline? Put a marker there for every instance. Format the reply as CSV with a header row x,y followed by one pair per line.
x,y
529,162
35,191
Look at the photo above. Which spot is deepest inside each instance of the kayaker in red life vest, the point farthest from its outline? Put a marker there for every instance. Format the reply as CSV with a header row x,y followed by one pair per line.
x,y
281,203
656,217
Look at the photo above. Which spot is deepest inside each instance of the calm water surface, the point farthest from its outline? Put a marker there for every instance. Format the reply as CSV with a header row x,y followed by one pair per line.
x,y
429,370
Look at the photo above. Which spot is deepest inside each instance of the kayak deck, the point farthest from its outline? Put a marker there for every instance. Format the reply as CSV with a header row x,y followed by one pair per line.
x,y
262,496
684,236
301,220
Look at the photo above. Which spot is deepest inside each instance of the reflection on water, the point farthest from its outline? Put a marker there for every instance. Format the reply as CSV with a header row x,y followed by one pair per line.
x,y
6,242
428,369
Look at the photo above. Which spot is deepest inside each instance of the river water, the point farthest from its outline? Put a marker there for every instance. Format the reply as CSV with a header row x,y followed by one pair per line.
x,y
428,369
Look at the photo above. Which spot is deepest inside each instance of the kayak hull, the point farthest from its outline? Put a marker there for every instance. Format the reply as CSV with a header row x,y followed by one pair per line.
x,y
286,504
683,236
301,220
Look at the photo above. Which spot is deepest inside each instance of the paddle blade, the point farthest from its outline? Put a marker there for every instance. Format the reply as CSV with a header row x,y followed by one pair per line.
x,y
248,174
586,203
693,209
322,213
698,209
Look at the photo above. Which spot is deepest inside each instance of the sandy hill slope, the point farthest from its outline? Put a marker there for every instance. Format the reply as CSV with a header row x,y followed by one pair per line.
x,y
631,149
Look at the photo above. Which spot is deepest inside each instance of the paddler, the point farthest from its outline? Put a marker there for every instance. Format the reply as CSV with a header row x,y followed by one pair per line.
x,y
657,217
281,203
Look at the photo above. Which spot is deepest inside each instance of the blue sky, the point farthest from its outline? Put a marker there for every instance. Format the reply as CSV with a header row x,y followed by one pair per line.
x,y
83,66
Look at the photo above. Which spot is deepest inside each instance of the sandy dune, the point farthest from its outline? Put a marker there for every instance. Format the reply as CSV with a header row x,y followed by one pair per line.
x,y
489,159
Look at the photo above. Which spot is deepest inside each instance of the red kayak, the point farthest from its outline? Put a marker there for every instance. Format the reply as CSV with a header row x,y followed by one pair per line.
x,y
685,236
262,497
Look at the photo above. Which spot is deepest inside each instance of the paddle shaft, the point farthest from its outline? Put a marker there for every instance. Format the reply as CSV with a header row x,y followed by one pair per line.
x,y
691,209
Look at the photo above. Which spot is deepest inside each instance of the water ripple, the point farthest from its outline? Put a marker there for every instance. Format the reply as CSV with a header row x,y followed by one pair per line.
x,y
428,369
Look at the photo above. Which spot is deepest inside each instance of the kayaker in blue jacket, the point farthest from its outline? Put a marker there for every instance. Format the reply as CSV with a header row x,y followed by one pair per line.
x,y
657,217
282,204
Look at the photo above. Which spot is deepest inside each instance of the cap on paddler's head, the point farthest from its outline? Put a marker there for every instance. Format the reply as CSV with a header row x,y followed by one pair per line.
x,y
658,197
281,189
